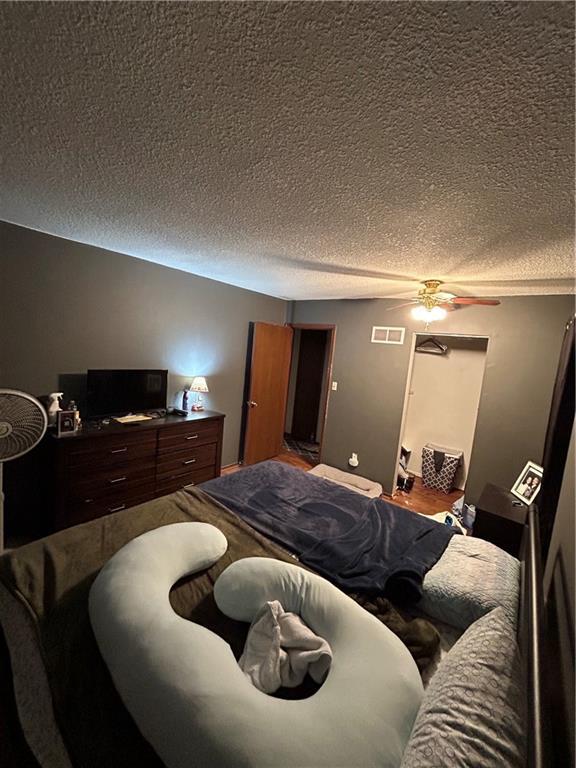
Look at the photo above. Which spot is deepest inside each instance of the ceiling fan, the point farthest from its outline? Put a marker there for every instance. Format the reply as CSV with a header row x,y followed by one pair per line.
x,y
432,304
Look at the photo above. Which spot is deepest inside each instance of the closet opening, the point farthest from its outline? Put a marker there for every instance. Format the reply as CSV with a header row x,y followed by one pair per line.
x,y
308,389
443,391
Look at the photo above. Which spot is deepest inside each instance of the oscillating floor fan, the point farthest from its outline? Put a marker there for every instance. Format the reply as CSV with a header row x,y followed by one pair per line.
x,y
23,422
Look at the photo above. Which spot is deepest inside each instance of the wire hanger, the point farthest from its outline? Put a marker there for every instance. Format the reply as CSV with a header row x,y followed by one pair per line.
x,y
432,346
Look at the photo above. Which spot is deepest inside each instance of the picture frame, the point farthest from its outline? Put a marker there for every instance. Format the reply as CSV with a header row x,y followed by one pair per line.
x,y
528,483
66,423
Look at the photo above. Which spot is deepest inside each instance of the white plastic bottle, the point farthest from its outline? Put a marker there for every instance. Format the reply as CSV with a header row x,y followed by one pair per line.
x,y
54,406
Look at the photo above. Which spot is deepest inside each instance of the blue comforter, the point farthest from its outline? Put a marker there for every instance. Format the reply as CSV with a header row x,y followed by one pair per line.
x,y
360,544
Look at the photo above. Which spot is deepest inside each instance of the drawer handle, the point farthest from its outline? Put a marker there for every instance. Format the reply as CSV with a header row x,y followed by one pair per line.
x,y
117,509
117,480
191,437
120,450
190,461
88,501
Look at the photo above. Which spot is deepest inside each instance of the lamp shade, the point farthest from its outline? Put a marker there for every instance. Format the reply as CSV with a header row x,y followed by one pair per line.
x,y
428,315
199,384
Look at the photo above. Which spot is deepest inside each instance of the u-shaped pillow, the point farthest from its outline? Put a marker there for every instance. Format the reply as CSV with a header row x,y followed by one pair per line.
x,y
186,692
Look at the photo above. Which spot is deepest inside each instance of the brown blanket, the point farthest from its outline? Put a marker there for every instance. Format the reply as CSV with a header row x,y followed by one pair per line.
x,y
53,576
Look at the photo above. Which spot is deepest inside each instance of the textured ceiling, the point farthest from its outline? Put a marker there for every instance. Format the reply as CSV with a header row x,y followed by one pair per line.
x,y
304,150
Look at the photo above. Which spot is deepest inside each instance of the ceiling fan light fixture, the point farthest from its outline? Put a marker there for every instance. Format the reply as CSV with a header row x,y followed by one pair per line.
x,y
428,315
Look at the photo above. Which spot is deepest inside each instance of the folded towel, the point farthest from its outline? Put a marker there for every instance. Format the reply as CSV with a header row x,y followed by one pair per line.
x,y
280,649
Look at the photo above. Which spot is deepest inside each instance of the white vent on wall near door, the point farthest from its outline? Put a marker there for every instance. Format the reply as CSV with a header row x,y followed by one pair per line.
x,y
383,334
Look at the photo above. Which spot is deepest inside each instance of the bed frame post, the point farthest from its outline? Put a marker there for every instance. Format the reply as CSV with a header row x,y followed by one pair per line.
x,y
532,630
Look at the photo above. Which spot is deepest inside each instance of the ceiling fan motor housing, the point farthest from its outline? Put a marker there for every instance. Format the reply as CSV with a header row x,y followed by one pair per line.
x,y
427,295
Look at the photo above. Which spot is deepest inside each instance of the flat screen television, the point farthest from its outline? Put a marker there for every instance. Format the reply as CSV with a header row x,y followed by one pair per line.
x,y
118,392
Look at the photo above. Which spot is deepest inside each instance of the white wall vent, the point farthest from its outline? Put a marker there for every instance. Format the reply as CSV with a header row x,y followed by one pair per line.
x,y
383,334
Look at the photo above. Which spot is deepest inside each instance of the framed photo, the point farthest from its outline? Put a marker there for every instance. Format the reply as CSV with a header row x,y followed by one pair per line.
x,y
527,486
66,423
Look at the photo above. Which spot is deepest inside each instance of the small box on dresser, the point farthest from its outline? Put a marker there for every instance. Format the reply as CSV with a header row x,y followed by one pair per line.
x,y
107,468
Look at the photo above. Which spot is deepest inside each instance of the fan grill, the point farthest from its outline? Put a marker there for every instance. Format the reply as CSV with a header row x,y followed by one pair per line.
x,y
23,423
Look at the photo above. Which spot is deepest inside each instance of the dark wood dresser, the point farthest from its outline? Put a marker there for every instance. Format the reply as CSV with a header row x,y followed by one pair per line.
x,y
107,468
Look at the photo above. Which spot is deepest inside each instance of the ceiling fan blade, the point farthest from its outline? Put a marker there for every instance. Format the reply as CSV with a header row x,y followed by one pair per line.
x,y
472,300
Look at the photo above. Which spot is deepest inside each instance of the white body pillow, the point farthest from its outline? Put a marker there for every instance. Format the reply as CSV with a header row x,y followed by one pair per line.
x,y
189,697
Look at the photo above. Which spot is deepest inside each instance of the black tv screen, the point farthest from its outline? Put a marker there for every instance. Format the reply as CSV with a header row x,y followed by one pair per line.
x,y
116,393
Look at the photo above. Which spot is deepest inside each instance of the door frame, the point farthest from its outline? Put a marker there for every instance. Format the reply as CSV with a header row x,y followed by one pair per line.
x,y
415,334
331,343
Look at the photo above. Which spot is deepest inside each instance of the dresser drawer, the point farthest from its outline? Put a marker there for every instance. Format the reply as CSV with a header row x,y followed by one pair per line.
x,y
104,481
110,451
88,509
176,481
187,436
111,467
183,461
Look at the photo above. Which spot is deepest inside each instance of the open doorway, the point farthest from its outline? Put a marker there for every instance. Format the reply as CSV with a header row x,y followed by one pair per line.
x,y
308,389
439,422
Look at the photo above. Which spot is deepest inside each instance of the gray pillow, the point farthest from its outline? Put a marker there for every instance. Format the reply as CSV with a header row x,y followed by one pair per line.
x,y
471,578
472,712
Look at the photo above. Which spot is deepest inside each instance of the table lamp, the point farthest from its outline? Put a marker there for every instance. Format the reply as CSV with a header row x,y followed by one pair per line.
x,y
198,385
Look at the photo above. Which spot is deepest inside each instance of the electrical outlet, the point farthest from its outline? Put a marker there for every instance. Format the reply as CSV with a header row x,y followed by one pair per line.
x,y
334,386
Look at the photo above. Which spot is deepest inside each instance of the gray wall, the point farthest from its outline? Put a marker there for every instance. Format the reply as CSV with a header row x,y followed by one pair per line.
x,y
66,307
364,415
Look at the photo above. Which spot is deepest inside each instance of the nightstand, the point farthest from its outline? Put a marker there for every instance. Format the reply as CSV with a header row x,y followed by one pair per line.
x,y
500,518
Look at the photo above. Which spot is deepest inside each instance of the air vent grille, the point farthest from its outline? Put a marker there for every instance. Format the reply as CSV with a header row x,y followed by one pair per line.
x,y
384,334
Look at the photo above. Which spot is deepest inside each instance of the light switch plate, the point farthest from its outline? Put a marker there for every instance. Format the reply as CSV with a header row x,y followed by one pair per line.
x,y
334,386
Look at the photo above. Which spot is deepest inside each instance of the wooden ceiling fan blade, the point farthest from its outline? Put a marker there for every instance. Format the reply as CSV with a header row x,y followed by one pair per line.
x,y
472,300
443,296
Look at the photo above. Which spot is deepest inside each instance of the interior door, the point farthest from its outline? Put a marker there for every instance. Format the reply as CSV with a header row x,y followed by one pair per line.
x,y
309,378
267,391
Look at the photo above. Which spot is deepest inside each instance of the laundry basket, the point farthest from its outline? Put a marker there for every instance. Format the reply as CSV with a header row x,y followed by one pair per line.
x,y
439,466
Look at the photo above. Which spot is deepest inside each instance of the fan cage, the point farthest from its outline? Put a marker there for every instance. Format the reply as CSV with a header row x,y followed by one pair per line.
x,y
23,423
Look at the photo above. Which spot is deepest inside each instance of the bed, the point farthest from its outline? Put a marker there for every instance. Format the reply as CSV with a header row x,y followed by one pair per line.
x,y
69,711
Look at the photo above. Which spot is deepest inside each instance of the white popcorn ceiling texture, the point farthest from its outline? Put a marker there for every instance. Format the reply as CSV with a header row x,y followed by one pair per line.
x,y
303,150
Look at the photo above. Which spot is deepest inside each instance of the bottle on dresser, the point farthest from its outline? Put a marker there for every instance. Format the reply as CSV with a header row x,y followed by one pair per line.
x,y
77,421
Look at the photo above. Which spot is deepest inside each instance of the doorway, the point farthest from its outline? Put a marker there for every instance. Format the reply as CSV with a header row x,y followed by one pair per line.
x,y
308,390
286,380
440,410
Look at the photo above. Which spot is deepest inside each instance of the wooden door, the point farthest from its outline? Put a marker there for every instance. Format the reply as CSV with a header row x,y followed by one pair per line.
x,y
308,390
267,391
